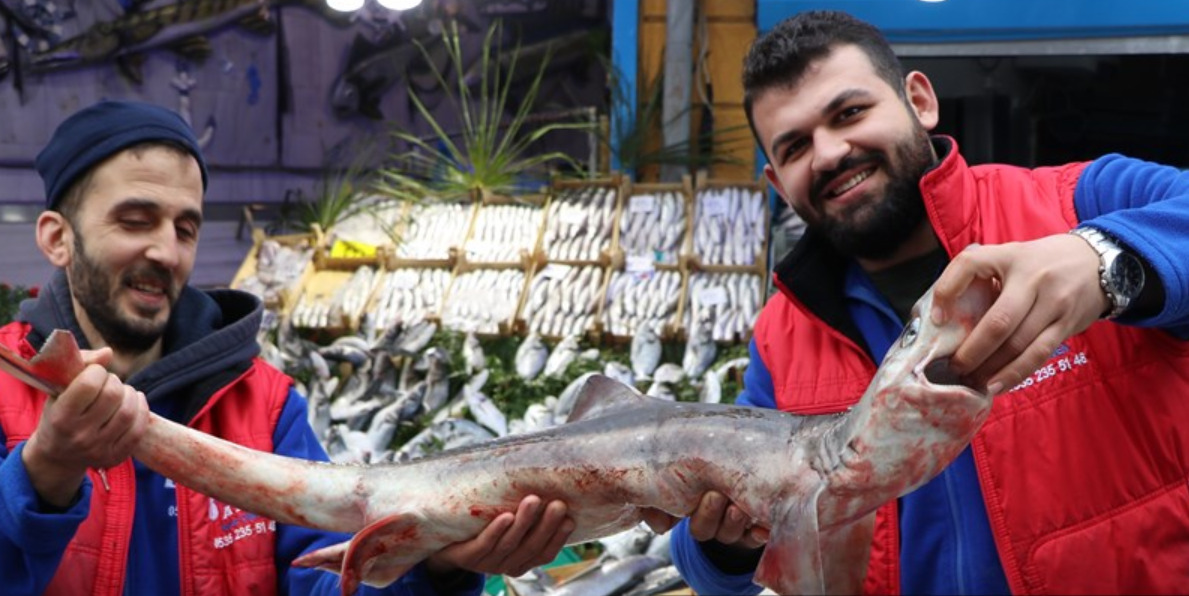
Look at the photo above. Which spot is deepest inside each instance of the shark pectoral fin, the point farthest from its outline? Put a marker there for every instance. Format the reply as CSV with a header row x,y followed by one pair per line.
x,y
327,559
792,560
382,552
845,550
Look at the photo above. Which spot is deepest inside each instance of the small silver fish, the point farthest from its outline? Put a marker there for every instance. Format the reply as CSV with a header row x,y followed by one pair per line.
x,y
646,351
531,357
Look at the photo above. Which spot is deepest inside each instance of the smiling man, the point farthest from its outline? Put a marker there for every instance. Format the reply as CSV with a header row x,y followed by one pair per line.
x,y
124,186
1076,483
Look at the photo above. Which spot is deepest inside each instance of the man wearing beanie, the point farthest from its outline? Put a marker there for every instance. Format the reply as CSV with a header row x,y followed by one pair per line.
x,y
124,188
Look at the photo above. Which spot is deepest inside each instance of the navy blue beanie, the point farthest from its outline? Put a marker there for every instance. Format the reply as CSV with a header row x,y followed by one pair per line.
x,y
102,130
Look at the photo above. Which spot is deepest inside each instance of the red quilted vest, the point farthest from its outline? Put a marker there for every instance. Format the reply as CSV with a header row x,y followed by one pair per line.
x,y
222,550
1085,486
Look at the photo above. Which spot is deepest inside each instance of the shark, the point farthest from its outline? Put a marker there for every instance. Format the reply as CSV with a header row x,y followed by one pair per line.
x,y
814,481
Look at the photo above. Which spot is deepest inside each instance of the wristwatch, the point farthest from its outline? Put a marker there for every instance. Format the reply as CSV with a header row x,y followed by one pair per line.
x,y
1120,273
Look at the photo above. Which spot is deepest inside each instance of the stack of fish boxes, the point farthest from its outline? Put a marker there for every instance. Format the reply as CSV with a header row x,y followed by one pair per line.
x,y
646,279
726,258
494,265
289,262
419,266
570,261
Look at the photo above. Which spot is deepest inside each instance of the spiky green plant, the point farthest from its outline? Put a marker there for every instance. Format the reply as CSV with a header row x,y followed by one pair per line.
x,y
492,152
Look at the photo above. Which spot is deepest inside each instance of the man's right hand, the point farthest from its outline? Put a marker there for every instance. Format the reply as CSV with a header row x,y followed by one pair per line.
x,y
95,423
715,518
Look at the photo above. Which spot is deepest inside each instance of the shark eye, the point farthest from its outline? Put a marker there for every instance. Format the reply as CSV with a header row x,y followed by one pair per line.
x,y
910,333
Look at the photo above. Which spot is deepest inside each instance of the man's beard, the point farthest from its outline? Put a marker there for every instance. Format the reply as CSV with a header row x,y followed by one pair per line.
x,y
92,288
887,223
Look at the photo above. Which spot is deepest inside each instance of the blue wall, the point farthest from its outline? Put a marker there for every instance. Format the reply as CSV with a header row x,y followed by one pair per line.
x,y
914,21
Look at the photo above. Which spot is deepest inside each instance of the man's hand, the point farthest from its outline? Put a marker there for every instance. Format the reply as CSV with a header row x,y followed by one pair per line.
x,y
1049,290
510,544
95,423
716,518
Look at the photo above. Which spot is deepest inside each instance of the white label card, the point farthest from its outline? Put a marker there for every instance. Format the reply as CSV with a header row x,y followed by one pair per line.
x,y
643,204
712,296
715,205
640,264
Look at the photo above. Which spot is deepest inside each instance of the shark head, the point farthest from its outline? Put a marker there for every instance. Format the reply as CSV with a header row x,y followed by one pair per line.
x,y
916,415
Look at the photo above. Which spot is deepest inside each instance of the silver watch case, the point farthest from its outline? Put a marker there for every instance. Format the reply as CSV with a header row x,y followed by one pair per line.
x,y
1120,273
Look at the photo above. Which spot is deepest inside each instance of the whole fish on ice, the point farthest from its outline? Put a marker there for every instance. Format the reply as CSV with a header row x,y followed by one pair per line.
x,y
815,481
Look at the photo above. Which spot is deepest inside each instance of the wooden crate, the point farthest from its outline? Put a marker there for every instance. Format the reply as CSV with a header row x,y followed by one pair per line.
x,y
558,190
694,262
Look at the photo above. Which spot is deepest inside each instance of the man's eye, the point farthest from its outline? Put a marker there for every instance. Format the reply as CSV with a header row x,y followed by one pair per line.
x,y
134,223
848,113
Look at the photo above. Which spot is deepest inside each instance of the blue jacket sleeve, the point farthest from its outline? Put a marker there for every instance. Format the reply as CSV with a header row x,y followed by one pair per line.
x,y
31,542
698,570
294,437
1146,206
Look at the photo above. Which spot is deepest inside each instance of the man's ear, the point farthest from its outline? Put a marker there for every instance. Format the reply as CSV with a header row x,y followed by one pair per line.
x,y
774,182
922,98
55,238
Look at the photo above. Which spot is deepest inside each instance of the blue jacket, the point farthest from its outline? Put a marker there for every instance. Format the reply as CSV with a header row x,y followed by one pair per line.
x,y
946,543
209,333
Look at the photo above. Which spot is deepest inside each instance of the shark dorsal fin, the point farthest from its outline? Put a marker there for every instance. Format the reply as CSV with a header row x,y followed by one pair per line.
x,y
602,395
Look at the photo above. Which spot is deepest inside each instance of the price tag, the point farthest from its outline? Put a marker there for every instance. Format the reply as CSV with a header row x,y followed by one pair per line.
x,y
555,271
575,217
715,205
643,204
640,264
712,296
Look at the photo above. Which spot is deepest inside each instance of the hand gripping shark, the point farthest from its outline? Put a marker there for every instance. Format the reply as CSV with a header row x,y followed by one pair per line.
x,y
815,481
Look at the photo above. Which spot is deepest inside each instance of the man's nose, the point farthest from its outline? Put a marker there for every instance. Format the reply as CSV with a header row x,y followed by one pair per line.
x,y
163,249
829,149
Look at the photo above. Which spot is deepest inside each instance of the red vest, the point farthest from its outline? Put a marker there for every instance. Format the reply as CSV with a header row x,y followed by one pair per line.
x,y
1083,467
222,550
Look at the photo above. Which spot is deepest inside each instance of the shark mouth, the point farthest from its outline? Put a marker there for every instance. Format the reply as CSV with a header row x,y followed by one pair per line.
x,y
939,372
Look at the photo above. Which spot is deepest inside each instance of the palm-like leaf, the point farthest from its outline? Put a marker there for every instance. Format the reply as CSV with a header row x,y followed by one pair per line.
x,y
492,152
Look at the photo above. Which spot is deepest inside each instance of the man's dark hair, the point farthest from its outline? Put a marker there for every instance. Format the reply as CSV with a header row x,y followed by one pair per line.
x,y
72,197
778,58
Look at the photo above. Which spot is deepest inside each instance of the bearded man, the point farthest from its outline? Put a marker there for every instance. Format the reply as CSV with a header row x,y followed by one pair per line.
x,y
1077,481
124,187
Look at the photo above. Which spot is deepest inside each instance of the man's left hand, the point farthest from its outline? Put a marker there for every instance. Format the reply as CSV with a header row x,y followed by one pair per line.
x,y
1049,290
511,544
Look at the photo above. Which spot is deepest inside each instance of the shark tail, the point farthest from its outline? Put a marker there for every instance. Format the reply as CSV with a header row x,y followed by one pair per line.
x,y
288,490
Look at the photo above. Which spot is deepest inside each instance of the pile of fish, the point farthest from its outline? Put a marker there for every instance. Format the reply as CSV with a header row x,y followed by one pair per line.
x,y
404,294
340,308
654,225
729,226
635,300
635,562
563,300
482,299
433,229
579,224
725,303
503,234
278,271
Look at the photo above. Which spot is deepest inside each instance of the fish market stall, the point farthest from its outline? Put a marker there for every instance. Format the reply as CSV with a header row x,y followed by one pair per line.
x,y
483,319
